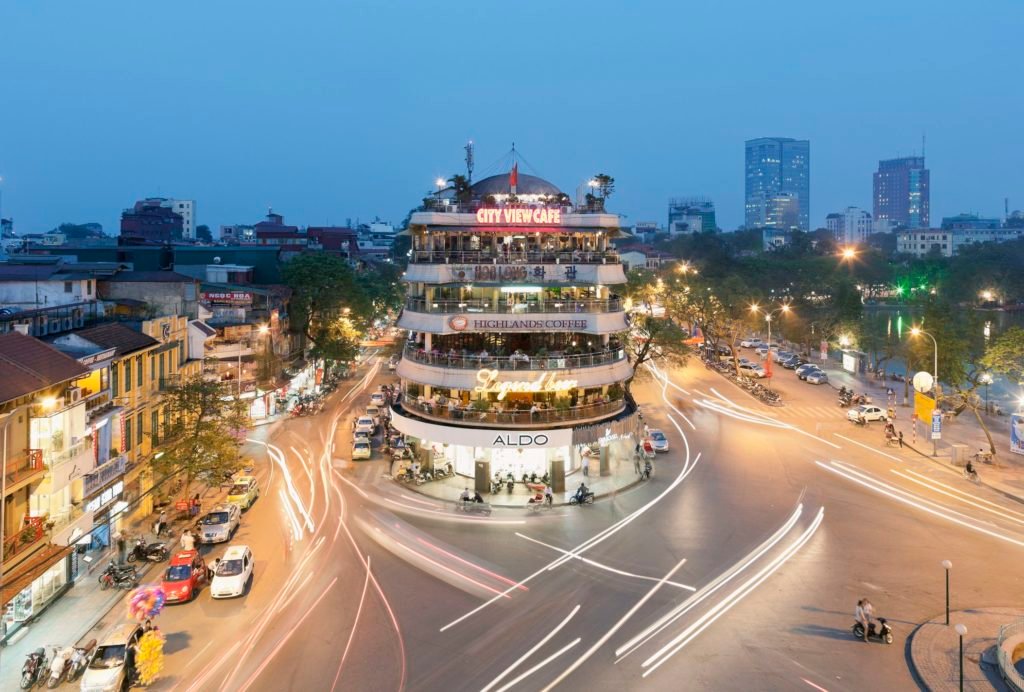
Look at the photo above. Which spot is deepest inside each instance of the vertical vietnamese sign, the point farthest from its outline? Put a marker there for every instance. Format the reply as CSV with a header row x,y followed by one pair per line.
x,y
1017,433
936,425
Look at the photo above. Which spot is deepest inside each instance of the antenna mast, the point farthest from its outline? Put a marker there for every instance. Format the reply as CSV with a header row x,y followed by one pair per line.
x,y
469,162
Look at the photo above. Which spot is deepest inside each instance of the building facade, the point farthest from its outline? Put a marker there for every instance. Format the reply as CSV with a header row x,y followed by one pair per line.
x,y
691,215
150,220
778,169
851,226
514,362
922,241
902,192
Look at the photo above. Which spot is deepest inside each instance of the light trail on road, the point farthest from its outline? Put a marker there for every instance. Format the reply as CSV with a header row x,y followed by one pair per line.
x,y
869,448
352,629
604,567
956,494
615,628
533,650
908,498
709,589
690,633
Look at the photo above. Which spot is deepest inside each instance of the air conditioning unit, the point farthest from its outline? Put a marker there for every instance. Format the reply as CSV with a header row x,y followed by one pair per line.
x,y
74,394
68,324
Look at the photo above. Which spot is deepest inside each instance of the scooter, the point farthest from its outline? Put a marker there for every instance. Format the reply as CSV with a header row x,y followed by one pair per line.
x,y
32,670
647,471
471,507
510,484
882,634
587,499
121,577
79,660
143,552
59,666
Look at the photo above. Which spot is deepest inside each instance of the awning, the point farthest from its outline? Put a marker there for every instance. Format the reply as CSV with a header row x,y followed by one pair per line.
x,y
32,570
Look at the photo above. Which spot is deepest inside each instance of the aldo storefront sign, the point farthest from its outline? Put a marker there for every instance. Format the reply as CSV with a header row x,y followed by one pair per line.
x,y
520,440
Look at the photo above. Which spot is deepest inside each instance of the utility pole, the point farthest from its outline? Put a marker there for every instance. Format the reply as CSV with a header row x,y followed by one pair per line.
x,y
469,162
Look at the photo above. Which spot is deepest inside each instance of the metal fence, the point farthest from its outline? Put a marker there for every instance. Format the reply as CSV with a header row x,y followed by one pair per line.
x,y
505,307
520,362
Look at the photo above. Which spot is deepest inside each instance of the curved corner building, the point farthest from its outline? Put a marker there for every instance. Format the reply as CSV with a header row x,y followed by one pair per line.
x,y
514,360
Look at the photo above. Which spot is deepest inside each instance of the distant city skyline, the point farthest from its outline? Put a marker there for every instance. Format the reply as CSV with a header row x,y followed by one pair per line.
x,y
323,134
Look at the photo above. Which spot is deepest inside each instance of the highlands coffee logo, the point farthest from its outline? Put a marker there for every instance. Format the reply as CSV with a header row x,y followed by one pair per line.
x,y
458,322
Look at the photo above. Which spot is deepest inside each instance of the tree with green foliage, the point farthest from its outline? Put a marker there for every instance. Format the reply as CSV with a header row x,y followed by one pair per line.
x,y
203,233
205,421
653,340
460,186
1005,354
329,303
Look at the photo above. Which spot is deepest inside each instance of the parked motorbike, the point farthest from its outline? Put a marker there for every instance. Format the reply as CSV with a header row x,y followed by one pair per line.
x,y
32,670
151,552
119,576
59,666
79,660
510,484
883,633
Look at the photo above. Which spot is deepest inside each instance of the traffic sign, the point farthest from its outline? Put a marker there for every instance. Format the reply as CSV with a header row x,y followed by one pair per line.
x,y
936,425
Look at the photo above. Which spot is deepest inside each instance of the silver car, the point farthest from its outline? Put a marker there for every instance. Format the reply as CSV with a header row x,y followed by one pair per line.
x,y
220,523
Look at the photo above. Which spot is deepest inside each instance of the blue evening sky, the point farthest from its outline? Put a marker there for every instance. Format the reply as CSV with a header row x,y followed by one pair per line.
x,y
328,109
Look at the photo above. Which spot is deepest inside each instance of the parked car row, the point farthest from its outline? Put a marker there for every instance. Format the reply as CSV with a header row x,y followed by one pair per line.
x,y
805,370
365,425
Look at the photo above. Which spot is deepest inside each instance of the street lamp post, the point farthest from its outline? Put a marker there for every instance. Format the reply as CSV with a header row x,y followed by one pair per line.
x,y
961,630
987,379
440,186
915,331
783,309
947,565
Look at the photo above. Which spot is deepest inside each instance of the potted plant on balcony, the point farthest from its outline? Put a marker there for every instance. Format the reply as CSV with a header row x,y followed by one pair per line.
x,y
57,440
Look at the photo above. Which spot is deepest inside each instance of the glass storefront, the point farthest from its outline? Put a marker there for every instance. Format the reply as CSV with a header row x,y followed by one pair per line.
x,y
34,597
503,460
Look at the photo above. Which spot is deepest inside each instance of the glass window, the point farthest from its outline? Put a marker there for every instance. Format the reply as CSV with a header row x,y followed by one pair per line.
x,y
138,369
127,376
114,371
138,429
126,443
154,426
67,287
152,369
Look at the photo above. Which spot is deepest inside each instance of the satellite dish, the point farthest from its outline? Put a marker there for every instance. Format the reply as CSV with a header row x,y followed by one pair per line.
x,y
216,260
923,382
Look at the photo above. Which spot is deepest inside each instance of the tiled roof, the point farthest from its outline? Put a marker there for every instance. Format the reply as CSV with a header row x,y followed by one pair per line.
x,y
29,365
118,336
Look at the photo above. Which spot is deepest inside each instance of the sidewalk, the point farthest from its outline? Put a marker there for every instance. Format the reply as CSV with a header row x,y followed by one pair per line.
x,y
622,476
1006,475
85,611
935,650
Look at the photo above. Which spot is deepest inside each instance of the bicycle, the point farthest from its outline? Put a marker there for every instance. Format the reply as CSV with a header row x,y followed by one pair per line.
x,y
971,475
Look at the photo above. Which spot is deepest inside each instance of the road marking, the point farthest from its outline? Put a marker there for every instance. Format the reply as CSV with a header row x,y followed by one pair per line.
x,y
200,653
532,650
615,628
817,687
607,568
861,444
720,609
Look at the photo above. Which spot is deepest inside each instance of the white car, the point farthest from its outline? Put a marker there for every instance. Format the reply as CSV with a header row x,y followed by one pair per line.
x,y
817,377
365,424
374,412
659,441
763,349
752,342
233,572
869,413
220,523
752,370
377,398
361,449
114,658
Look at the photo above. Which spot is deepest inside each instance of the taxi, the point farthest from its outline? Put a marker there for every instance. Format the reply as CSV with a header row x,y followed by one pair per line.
x,y
244,492
184,577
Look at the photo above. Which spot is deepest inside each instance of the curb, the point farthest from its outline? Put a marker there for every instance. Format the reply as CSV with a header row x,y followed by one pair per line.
x,y
525,505
908,655
935,460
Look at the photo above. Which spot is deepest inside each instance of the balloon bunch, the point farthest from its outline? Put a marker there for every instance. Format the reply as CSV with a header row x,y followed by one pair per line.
x,y
149,660
146,602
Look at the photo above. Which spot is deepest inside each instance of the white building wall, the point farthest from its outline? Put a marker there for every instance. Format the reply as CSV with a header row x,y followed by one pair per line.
x,y
41,294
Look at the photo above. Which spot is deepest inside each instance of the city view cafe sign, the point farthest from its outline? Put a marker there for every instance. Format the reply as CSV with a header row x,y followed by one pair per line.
x,y
519,216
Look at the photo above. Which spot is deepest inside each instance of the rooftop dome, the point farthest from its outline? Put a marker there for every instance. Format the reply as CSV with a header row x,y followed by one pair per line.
x,y
526,185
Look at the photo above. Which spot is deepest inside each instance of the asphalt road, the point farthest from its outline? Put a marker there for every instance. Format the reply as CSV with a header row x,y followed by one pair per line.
x,y
737,566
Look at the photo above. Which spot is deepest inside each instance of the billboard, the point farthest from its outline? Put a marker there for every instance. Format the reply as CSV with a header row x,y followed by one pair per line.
x,y
1017,433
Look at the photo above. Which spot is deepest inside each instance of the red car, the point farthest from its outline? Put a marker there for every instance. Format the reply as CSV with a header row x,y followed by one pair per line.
x,y
185,576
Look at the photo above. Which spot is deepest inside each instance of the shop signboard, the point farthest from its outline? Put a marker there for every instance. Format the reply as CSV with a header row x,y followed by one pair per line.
x,y
547,382
1017,433
492,438
519,217
227,297
936,425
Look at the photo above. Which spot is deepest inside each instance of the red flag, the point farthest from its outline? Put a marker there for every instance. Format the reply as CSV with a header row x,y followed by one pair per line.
x,y
513,177
768,365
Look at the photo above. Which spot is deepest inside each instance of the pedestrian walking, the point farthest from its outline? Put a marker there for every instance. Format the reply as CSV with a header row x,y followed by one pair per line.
x,y
188,541
586,466
900,439
195,505
121,544
161,522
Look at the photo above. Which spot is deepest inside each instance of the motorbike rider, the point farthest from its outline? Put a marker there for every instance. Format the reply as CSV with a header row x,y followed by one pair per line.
x,y
969,469
549,497
476,497
582,492
464,496
862,617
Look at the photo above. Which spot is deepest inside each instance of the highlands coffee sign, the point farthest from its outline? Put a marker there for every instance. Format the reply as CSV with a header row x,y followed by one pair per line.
x,y
519,216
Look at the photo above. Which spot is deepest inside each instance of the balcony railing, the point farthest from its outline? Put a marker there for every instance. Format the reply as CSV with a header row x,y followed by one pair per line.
x,y
529,257
23,467
501,306
25,537
472,416
65,455
549,361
